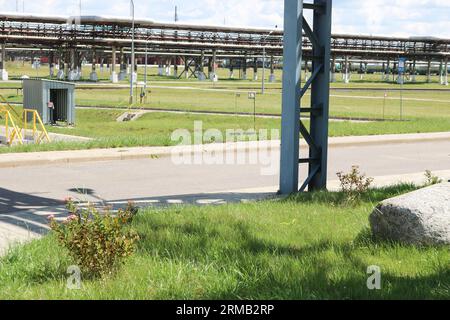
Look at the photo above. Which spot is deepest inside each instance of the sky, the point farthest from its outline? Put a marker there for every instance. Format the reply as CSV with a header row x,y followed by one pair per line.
x,y
377,17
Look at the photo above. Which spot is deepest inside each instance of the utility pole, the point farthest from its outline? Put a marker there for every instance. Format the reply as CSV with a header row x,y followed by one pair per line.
x,y
132,54
176,14
145,70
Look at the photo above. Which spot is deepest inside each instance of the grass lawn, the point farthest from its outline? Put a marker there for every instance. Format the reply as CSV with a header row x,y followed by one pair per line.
x,y
424,111
313,246
155,129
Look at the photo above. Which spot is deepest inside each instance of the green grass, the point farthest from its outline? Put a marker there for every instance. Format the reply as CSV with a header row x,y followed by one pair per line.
x,y
423,111
313,246
155,129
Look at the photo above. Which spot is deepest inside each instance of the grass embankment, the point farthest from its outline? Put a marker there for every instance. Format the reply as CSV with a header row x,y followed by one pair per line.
x,y
313,246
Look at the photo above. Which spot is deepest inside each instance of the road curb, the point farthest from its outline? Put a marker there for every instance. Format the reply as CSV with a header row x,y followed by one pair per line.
x,y
13,160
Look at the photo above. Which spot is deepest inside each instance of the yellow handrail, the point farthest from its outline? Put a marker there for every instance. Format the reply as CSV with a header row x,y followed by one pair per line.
x,y
9,107
36,120
13,120
15,132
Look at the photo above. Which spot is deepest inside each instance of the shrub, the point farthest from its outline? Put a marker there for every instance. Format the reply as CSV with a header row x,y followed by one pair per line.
x,y
97,241
354,184
431,178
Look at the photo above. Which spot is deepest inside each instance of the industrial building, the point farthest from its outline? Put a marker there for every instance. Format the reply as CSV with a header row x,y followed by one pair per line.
x,y
53,100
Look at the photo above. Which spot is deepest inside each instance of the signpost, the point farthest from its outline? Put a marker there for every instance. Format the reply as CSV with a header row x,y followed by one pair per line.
x,y
401,73
252,96
236,96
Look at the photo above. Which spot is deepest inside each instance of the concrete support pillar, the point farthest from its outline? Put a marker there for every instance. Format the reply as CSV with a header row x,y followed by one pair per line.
x,y
128,64
160,67
244,68
387,71
102,64
446,72
72,75
361,71
57,62
3,72
175,67
114,76
231,69
123,66
209,68
168,67
272,77
61,75
413,73
255,69
66,64
429,71
94,76
186,67
306,70
201,67
441,72
213,75
366,67
347,70
333,70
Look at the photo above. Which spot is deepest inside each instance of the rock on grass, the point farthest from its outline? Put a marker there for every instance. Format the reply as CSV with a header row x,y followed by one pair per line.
x,y
421,217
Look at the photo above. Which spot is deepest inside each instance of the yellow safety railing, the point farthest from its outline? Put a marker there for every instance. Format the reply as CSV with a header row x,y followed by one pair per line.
x,y
12,131
16,126
38,135
9,108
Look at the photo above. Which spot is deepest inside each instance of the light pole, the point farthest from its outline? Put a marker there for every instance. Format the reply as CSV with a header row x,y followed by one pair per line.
x,y
145,72
263,85
132,53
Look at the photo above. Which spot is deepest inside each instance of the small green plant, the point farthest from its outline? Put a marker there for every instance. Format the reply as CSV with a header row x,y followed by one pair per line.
x,y
431,178
98,241
354,184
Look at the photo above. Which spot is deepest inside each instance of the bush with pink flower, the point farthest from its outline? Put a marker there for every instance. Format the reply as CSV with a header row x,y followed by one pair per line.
x,y
99,242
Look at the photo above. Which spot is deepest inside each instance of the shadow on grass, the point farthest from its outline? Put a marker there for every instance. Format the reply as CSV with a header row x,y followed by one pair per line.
x,y
271,270
374,195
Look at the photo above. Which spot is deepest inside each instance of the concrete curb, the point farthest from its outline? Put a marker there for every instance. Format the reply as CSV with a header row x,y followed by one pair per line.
x,y
13,160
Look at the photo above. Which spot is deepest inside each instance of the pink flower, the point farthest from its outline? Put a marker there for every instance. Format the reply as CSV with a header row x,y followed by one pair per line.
x,y
51,217
72,218
67,200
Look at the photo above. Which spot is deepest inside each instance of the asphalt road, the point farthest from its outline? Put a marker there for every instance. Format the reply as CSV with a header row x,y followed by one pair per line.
x,y
161,180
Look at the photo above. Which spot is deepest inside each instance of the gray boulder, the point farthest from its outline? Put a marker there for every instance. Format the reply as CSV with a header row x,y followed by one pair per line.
x,y
421,217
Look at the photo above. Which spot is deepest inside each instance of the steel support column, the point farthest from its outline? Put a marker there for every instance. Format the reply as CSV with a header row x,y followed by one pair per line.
x,y
292,126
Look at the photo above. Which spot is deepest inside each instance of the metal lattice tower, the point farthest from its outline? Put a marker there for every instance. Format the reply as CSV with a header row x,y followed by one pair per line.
x,y
316,136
